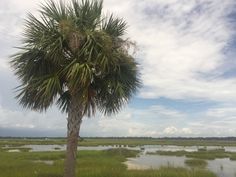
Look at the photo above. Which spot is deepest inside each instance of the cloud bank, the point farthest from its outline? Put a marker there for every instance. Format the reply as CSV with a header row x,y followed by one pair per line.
x,y
186,52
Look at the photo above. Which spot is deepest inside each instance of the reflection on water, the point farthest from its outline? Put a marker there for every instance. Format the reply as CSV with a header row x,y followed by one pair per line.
x,y
221,167
154,148
155,161
230,148
47,162
13,150
41,148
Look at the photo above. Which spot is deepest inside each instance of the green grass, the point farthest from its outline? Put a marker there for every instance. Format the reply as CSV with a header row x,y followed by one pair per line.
x,y
233,156
89,164
20,142
196,163
202,149
200,154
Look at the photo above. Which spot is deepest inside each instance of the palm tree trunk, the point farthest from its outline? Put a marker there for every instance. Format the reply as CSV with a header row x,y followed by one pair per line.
x,y
73,128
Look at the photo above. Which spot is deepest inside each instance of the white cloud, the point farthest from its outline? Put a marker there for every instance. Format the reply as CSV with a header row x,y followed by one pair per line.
x,y
173,131
170,130
137,122
130,122
52,120
4,66
121,124
182,56
186,130
216,121
223,112
183,47
165,113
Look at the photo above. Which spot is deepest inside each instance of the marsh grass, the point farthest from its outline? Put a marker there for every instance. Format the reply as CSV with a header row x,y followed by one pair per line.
x,y
106,163
196,163
203,149
57,148
202,154
16,142
233,156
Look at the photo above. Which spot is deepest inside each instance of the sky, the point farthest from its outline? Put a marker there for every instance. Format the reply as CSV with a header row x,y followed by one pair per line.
x,y
186,55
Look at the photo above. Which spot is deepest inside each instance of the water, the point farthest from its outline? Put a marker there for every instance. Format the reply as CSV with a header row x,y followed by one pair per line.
x,y
47,162
147,148
154,161
221,167
154,148
14,150
42,148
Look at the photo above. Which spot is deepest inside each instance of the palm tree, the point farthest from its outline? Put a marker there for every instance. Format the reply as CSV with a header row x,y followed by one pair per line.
x,y
79,59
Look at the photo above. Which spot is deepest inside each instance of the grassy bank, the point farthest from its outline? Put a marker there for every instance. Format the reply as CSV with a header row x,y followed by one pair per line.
x,y
199,163
121,141
90,164
14,142
200,154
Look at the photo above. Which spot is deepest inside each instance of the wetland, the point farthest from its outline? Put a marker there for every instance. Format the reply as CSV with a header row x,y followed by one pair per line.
x,y
45,158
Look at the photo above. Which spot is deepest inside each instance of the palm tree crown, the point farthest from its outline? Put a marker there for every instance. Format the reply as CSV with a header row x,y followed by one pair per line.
x,y
75,51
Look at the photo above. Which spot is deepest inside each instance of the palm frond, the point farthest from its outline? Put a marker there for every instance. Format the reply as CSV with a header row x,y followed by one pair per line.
x,y
115,27
87,14
117,87
63,101
38,94
55,11
45,35
32,63
79,75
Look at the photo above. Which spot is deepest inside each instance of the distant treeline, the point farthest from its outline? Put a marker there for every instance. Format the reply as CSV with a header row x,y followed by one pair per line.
x,y
149,138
